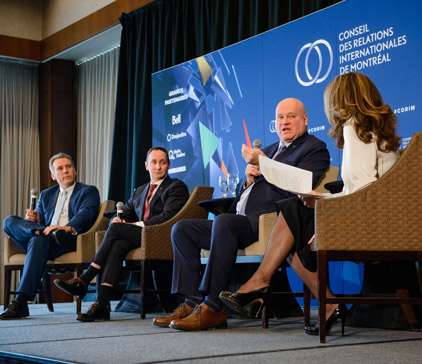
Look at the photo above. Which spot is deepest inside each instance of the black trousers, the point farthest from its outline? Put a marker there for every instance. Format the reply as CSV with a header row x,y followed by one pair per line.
x,y
119,239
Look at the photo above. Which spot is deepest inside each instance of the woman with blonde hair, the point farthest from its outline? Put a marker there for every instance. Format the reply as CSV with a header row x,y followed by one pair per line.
x,y
365,128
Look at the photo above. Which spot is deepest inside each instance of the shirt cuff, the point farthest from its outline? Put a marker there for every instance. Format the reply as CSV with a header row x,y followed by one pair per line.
x,y
140,223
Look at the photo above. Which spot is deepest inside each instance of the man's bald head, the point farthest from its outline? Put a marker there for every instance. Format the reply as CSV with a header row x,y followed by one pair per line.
x,y
291,119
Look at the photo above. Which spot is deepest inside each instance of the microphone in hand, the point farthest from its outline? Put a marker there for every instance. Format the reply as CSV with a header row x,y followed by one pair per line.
x,y
119,207
33,202
256,145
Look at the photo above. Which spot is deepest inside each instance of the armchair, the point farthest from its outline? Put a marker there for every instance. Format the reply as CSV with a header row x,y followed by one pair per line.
x,y
379,222
14,257
156,251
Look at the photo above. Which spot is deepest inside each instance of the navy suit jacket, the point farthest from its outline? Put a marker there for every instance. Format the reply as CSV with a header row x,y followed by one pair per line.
x,y
170,197
83,206
306,152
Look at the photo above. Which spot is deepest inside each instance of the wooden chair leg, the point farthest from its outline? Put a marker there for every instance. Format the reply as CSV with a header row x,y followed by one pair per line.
x,y
408,310
322,286
160,296
78,300
143,287
307,305
7,282
47,287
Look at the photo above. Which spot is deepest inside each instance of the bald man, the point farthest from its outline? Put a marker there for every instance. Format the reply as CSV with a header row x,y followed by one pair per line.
x,y
238,228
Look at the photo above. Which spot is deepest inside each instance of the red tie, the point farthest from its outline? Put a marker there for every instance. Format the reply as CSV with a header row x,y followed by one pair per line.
x,y
146,207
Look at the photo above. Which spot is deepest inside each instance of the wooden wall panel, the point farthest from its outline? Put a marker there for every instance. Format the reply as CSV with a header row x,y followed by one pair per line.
x,y
20,48
57,113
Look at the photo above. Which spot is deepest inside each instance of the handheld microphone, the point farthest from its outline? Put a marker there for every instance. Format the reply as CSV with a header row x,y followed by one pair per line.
x,y
33,199
119,207
256,144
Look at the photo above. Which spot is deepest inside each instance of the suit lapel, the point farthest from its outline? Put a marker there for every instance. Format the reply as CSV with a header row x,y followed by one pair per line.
x,y
144,194
75,194
292,147
162,187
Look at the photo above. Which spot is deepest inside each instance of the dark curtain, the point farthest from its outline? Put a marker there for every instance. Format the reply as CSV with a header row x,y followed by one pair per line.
x,y
168,32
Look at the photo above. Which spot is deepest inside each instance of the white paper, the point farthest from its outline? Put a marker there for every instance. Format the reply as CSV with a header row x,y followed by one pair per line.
x,y
286,177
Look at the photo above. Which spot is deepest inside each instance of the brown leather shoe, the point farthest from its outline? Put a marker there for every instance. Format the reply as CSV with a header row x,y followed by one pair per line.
x,y
202,318
182,311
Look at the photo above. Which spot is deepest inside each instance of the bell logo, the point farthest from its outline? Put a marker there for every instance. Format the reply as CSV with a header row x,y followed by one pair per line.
x,y
176,119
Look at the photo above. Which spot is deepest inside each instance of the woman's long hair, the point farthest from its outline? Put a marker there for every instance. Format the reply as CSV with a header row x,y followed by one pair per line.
x,y
354,96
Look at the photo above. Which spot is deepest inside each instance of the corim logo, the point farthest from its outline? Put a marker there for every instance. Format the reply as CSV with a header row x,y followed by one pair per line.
x,y
303,62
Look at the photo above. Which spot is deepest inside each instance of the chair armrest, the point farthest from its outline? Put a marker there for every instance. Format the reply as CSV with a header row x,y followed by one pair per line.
x,y
99,236
10,249
85,243
266,223
156,239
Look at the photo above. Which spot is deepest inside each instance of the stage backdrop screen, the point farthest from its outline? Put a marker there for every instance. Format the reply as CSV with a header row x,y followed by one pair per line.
x,y
205,109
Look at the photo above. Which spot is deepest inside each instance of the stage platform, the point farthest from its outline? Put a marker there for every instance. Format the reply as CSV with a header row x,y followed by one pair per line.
x,y
56,337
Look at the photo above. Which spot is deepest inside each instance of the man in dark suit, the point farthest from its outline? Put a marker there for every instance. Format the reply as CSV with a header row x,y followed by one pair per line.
x,y
63,211
153,203
238,228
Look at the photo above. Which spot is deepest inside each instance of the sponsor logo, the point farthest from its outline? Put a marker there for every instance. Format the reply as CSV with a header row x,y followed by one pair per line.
x,y
171,137
177,169
176,153
176,119
324,65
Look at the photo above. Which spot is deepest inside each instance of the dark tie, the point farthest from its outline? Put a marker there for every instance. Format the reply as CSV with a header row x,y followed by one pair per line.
x,y
146,207
280,150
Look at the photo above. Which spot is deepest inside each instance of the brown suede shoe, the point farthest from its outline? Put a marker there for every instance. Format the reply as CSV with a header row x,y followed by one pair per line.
x,y
182,311
202,318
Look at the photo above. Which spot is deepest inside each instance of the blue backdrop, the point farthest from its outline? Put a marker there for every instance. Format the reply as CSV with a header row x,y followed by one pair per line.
x,y
205,109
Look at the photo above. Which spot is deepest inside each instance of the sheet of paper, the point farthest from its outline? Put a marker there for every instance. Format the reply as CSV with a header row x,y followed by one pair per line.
x,y
286,177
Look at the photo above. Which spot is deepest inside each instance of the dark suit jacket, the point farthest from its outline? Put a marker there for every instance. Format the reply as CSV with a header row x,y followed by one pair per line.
x,y
170,197
306,152
83,206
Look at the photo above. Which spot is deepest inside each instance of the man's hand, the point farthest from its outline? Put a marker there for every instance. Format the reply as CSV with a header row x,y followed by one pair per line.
x,y
251,155
66,228
118,219
251,172
32,215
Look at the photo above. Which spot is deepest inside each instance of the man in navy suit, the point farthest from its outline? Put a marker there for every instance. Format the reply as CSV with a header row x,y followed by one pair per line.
x,y
74,208
238,228
153,203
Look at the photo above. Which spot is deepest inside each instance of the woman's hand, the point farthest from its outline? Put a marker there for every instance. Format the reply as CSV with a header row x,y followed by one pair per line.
x,y
309,202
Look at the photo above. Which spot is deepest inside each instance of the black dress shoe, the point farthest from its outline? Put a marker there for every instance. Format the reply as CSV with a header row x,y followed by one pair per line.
x,y
96,312
75,287
14,311
241,301
60,236
339,313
